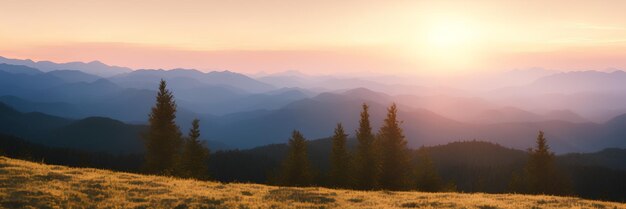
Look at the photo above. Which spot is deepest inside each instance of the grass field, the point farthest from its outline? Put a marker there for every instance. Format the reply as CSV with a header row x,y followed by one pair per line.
x,y
26,184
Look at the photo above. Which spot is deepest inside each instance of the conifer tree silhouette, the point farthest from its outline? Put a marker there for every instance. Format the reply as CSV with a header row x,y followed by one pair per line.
x,y
540,175
194,158
394,157
366,167
163,138
296,169
340,159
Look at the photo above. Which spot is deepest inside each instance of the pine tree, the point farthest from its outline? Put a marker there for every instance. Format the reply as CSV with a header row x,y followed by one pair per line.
x,y
194,156
541,173
296,170
340,160
366,168
395,161
163,138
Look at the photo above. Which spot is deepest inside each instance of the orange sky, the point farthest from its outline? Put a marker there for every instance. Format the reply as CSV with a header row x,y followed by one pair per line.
x,y
419,37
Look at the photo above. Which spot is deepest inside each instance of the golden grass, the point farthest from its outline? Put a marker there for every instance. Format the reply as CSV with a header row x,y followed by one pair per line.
x,y
26,184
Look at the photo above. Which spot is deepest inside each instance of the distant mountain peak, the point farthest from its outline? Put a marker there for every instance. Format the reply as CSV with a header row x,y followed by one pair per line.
x,y
99,120
96,62
361,92
147,70
226,72
191,78
185,70
19,69
579,81
367,94
103,81
620,120
93,67
565,115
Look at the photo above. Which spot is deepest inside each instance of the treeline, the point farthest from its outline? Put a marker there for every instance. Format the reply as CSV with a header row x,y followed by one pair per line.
x,y
381,160
15,147
473,166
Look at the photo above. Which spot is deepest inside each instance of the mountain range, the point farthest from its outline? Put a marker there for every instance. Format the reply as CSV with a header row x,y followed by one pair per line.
x,y
579,111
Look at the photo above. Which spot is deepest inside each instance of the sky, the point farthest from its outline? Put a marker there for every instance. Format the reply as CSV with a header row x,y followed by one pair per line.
x,y
378,37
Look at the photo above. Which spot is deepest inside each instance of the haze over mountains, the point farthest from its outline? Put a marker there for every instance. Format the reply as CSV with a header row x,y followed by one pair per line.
x,y
579,111
94,67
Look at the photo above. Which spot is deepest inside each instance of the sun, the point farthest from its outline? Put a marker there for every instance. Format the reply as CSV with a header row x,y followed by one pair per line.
x,y
450,44
451,34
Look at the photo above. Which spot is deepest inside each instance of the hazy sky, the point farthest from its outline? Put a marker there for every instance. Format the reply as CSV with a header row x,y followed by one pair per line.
x,y
433,37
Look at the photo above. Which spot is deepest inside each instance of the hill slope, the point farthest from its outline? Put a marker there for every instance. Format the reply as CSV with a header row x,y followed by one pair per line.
x,y
27,184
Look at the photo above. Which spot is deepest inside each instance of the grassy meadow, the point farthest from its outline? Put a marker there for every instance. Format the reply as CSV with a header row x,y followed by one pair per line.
x,y
25,184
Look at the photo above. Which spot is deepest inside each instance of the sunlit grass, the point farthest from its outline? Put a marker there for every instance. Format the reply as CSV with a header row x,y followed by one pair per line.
x,y
26,184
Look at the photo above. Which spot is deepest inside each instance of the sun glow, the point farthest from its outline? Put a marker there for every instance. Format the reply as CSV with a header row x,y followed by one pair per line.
x,y
347,36
451,44
450,34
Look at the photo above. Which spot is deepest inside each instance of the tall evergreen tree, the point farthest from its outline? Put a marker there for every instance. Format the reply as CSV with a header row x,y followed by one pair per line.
x,y
366,167
340,160
195,156
541,173
163,138
395,161
296,169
